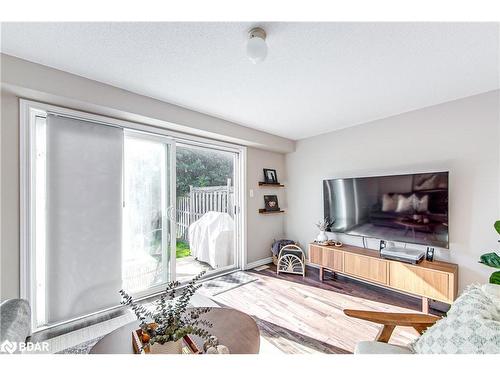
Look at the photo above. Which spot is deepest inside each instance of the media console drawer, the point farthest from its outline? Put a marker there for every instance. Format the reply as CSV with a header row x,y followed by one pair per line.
x,y
315,254
333,259
366,268
422,281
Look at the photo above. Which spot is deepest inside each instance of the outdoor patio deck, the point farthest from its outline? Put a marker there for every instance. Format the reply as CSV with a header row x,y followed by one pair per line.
x,y
188,267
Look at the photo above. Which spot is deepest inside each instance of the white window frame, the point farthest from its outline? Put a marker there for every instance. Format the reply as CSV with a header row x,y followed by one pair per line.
x,y
28,109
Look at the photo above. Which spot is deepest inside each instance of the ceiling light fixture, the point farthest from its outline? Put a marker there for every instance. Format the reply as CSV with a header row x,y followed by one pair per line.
x,y
256,45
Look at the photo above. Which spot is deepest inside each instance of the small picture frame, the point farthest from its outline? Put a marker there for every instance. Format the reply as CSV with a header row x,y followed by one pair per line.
x,y
271,203
270,176
429,255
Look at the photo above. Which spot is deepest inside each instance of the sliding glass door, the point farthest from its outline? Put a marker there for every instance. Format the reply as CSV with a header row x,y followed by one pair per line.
x,y
147,211
109,205
207,210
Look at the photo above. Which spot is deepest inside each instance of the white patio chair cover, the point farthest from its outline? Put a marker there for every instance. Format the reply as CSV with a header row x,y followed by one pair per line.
x,y
211,239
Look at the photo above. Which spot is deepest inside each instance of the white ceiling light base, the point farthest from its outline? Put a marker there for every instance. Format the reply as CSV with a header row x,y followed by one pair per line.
x,y
256,45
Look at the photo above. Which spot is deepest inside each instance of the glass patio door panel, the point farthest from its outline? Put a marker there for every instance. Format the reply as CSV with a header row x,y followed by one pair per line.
x,y
147,208
207,221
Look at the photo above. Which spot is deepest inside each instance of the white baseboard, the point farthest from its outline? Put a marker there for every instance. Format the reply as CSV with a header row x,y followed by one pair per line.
x,y
258,263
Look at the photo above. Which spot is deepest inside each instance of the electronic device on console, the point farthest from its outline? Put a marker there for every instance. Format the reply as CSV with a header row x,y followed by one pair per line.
x,y
382,245
401,254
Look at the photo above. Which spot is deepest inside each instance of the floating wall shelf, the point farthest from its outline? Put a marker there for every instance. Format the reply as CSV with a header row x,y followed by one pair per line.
x,y
268,184
263,211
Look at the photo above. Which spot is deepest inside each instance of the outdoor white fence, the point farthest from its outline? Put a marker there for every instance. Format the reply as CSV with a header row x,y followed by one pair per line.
x,y
199,201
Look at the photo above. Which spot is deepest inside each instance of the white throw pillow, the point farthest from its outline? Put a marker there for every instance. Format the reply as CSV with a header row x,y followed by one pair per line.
x,y
492,291
474,301
476,335
471,327
404,204
389,202
421,204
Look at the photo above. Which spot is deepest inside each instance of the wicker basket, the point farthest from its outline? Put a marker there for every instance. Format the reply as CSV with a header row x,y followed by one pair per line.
x,y
275,258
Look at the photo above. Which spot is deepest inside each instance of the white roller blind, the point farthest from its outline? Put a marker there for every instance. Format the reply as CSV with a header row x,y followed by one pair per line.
x,y
84,217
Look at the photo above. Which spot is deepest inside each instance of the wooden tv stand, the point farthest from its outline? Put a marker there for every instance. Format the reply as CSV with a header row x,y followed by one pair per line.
x,y
429,280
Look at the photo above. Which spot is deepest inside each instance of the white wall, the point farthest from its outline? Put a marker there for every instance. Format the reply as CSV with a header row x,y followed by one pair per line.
x,y
460,136
32,81
9,194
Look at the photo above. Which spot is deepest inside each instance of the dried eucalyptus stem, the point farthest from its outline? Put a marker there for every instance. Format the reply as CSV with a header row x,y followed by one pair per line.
x,y
170,320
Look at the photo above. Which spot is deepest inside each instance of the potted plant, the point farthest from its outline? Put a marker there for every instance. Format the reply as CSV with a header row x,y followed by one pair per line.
x,y
164,327
323,225
493,260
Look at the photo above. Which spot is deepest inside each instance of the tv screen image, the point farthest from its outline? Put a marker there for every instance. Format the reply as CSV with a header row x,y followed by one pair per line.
x,y
410,208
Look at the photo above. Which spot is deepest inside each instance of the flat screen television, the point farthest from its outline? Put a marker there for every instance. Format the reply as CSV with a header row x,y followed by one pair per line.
x,y
411,208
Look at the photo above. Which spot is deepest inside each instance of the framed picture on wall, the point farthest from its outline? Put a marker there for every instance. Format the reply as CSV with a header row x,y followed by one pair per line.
x,y
271,203
270,176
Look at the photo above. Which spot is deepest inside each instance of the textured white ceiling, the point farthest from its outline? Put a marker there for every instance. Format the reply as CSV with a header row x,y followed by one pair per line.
x,y
317,77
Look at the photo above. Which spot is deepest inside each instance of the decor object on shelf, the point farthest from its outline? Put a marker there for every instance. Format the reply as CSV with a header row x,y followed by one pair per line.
x,y
168,324
492,259
323,225
270,176
271,203
471,326
212,346
322,237
256,45
291,259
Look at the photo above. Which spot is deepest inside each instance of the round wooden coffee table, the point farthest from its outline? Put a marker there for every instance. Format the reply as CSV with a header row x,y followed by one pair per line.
x,y
234,329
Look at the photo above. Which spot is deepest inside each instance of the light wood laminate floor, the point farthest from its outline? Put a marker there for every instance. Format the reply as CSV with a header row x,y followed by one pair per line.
x,y
299,315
